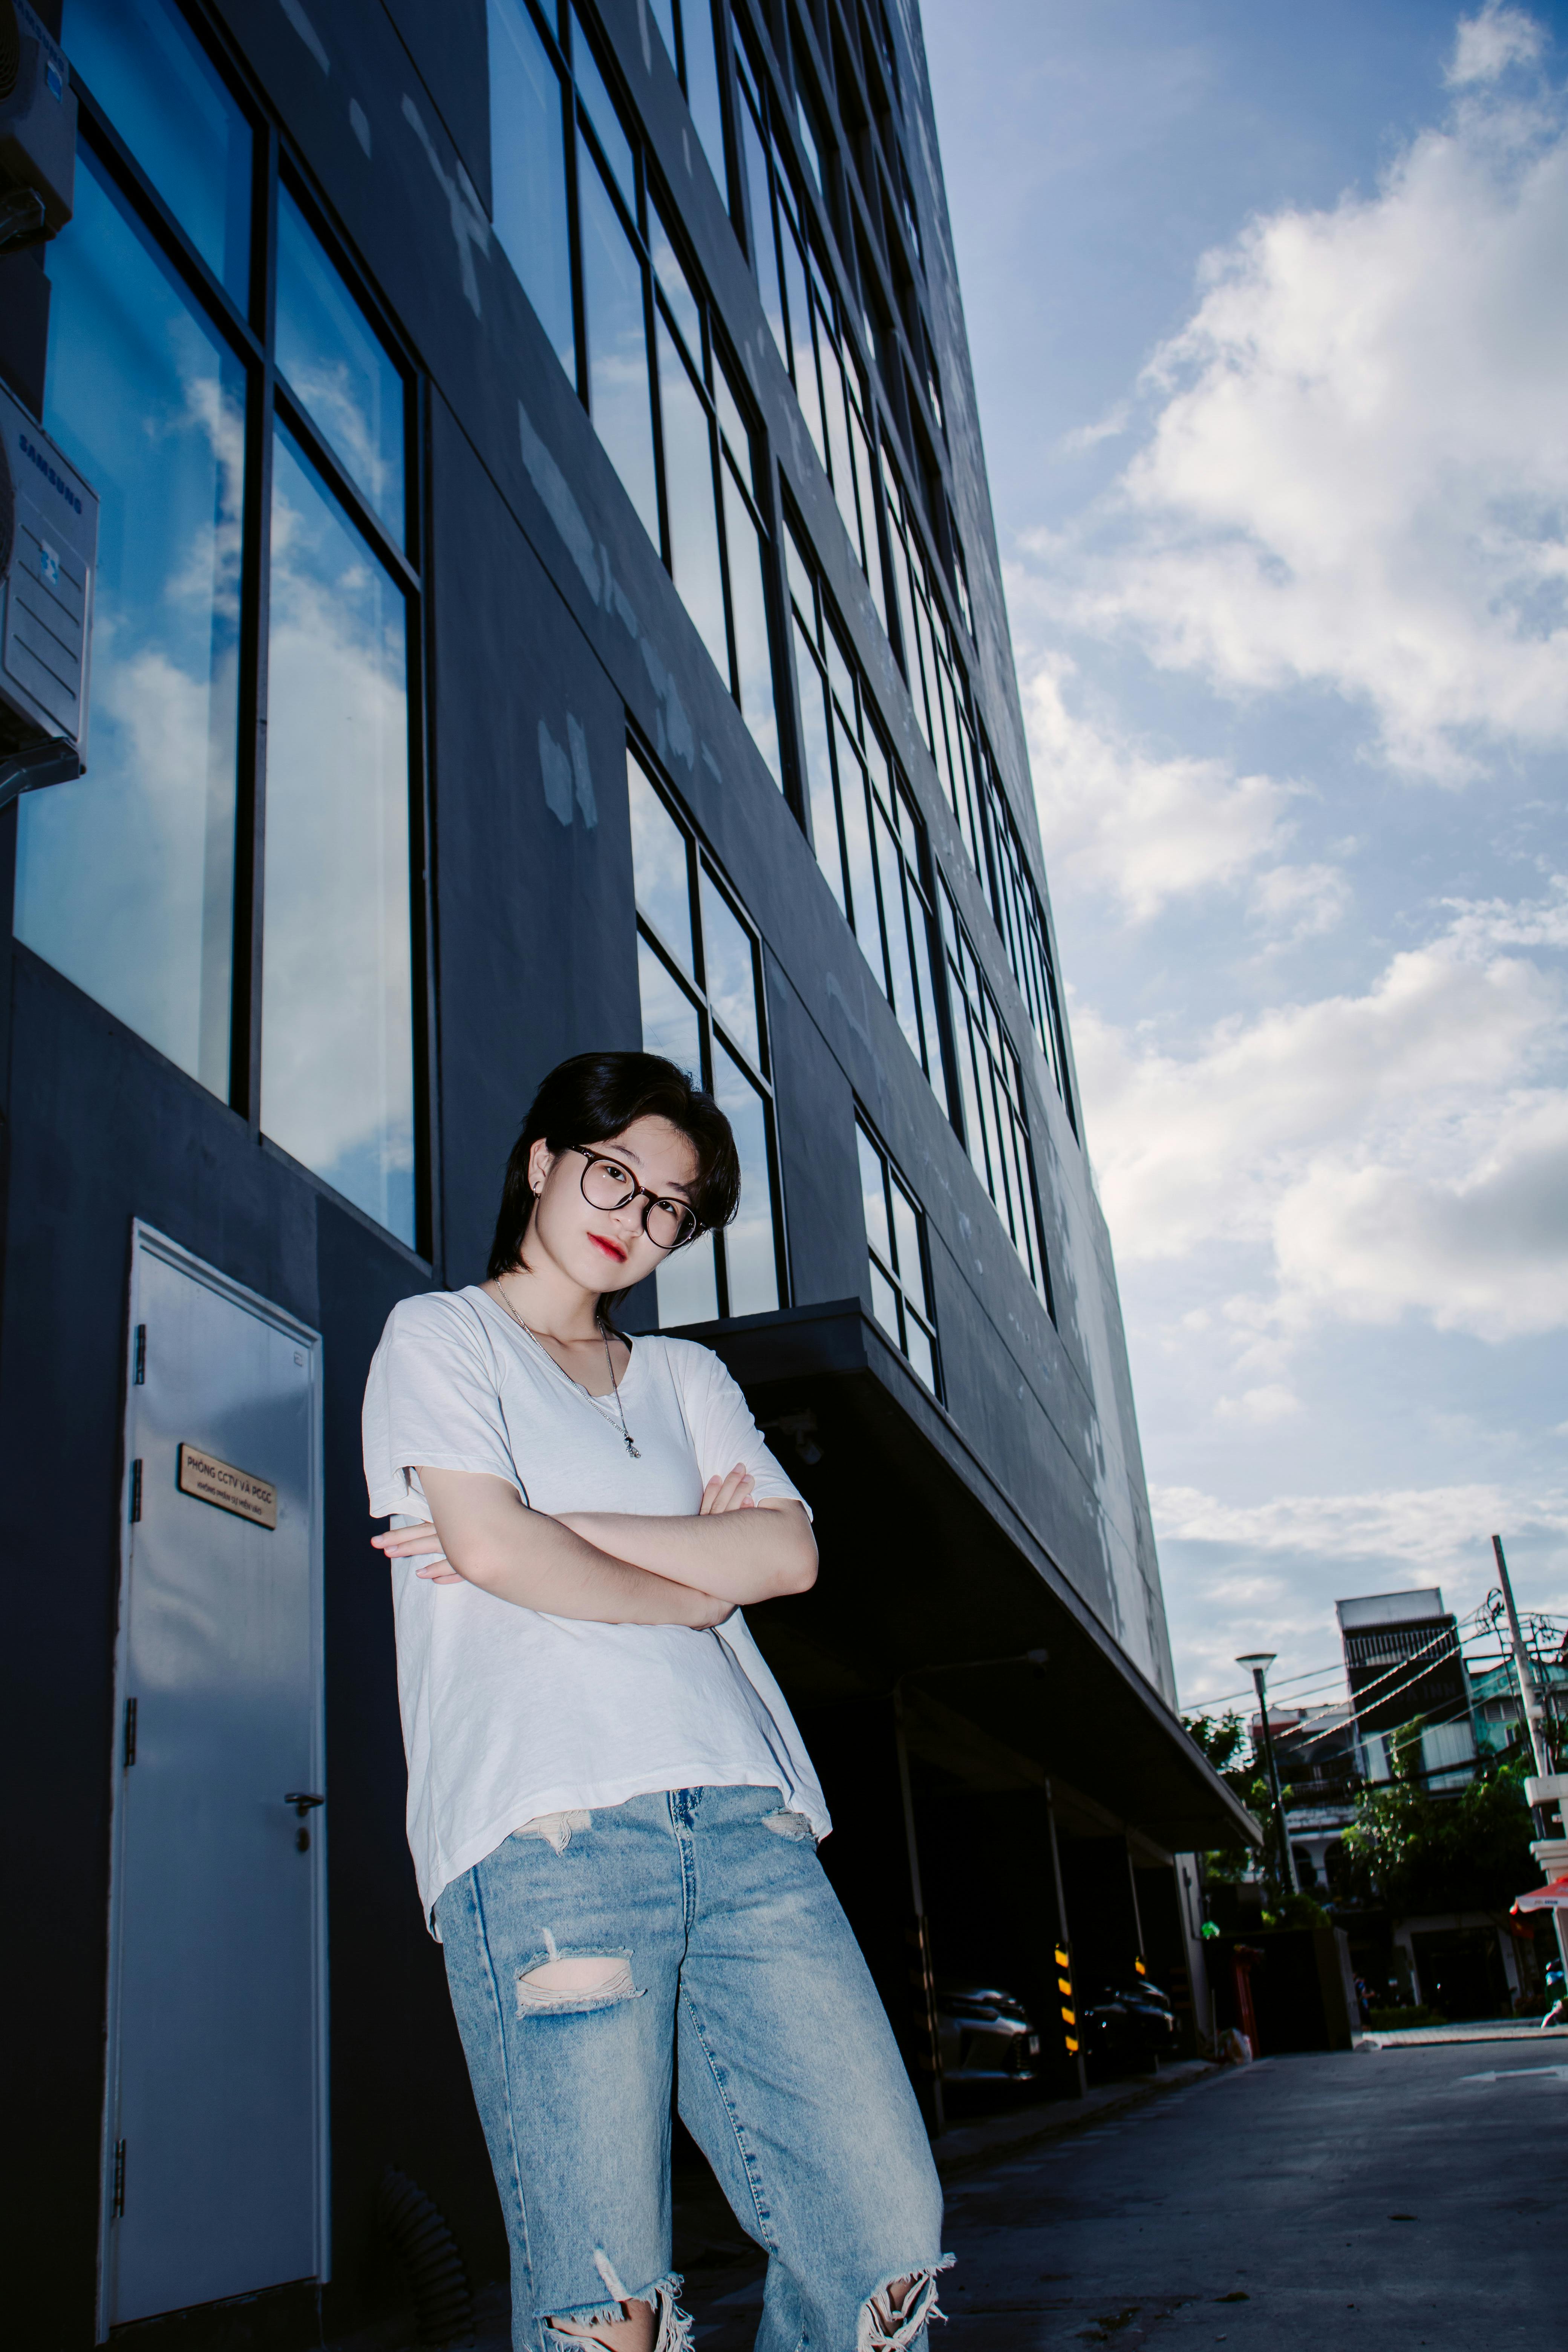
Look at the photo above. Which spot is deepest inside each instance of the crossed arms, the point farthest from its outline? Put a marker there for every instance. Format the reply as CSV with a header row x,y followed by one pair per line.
x,y
612,1567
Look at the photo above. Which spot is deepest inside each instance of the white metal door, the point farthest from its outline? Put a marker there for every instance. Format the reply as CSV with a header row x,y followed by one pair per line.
x,y
214,2179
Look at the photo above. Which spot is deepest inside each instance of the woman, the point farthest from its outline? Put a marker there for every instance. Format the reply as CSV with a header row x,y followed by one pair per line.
x,y
612,1815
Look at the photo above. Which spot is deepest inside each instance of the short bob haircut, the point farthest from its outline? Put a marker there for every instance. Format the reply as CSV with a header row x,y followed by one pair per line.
x,y
595,1096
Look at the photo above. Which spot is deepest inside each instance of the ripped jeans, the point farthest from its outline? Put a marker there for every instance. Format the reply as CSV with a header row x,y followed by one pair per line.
x,y
729,1966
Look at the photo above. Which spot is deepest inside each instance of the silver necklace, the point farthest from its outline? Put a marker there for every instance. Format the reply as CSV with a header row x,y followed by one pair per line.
x,y
634,1450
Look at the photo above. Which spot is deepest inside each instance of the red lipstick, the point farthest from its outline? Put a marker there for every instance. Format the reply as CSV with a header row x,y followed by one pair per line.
x,y
610,1249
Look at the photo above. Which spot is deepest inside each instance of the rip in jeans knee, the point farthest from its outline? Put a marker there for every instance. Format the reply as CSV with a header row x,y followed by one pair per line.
x,y
569,2331
574,1980
900,2309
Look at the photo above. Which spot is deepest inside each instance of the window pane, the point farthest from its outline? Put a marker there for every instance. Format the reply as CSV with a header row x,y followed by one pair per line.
x,y
669,1016
920,1353
818,770
702,81
689,500
528,166
338,368
925,982
764,255
125,879
857,852
838,439
751,1260
749,612
906,1235
896,933
732,423
730,962
808,138
885,1303
687,1286
675,287
801,584
158,88
618,343
804,367
873,1196
841,676
663,13
602,114
337,1059
659,867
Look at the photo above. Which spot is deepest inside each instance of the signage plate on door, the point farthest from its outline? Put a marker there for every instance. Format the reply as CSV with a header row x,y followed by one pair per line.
x,y
212,1481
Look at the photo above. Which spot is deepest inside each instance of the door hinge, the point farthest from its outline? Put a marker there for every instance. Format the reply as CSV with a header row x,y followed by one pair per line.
x,y
136,1489
129,1757
117,2205
139,1365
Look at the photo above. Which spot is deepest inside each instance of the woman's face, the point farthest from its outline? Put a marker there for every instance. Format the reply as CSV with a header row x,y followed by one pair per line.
x,y
607,1249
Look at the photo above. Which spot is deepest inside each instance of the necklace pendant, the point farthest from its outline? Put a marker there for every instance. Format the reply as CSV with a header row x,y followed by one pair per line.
x,y
634,1450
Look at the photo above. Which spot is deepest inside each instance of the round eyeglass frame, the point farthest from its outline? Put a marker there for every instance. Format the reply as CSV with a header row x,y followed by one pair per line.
x,y
651,1201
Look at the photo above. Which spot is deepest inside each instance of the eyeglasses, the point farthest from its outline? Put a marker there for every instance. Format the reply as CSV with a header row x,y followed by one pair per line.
x,y
606,1184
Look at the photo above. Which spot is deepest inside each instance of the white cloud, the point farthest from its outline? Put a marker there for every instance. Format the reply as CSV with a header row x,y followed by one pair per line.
x,y
1298,902
1404,1151
1357,470
1117,819
1268,1574
1261,1406
1485,46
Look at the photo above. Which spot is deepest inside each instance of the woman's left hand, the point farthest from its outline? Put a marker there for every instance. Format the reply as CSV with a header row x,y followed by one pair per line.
x,y
730,1493
409,1543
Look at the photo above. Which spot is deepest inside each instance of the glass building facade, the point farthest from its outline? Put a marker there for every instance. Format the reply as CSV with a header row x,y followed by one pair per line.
x,y
547,598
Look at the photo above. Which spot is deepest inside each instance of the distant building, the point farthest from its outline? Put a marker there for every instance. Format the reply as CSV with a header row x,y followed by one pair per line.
x,y
1403,1662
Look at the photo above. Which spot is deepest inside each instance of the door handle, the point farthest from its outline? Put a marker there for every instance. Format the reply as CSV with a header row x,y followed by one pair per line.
x,y
303,1801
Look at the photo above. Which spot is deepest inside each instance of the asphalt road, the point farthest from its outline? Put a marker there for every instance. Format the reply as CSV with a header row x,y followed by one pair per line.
x,y
1378,2200
1385,2199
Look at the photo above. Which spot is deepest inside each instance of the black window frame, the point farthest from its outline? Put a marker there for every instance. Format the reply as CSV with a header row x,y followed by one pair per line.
x,y
895,1275
700,860
247,330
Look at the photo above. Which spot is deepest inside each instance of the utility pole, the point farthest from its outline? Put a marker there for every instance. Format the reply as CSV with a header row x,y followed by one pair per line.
x,y
1529,1695
1257,1662
1546,1789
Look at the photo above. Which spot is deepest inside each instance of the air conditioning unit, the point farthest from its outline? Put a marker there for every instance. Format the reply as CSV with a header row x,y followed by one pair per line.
x,y
48,553
37,131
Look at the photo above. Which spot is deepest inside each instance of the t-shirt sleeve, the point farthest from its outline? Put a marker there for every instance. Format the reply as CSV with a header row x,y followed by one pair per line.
x,y
431,1398
723,1432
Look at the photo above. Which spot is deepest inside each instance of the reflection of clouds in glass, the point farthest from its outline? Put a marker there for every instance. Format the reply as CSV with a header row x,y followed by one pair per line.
x,y
619,400
749,1254
125,879
337,1017
728,961
658,865
337,367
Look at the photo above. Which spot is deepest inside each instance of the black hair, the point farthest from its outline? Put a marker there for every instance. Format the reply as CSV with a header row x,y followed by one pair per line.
x,y
595,1096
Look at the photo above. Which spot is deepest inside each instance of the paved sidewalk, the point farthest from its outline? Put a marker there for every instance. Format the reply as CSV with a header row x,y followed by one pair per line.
x,y
1495,2029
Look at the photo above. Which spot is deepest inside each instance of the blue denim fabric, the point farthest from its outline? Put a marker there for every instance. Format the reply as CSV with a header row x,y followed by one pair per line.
x,y
741,1967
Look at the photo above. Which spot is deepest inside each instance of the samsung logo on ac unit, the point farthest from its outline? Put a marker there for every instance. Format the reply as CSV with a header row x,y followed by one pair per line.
x,y
44,466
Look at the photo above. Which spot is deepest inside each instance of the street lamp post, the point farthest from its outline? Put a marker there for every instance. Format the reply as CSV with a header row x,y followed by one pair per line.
x,y
1257,1662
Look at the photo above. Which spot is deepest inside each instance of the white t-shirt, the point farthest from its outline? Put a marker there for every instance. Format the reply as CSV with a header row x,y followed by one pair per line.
x,y
508,1712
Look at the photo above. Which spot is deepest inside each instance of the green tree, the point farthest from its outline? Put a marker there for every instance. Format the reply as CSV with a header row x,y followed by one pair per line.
x,y
1230,1751
1421,1853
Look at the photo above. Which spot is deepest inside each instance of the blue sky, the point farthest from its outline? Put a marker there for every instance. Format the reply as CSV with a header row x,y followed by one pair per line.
x,y
1266,310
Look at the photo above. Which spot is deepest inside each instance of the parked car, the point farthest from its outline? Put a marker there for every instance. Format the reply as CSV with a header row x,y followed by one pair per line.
x,y
982,2031
1128,2023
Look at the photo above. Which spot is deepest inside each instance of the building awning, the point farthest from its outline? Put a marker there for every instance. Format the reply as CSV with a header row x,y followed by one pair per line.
x,y
933,1581
1552,1897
